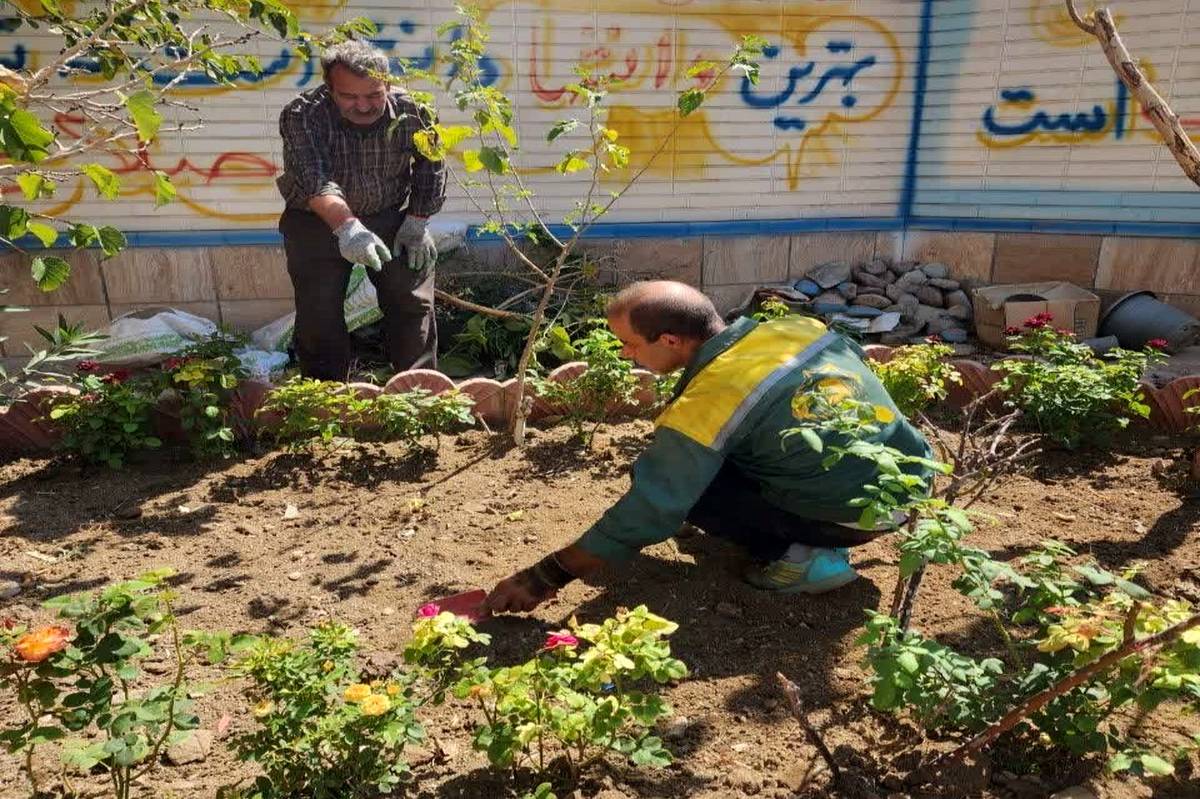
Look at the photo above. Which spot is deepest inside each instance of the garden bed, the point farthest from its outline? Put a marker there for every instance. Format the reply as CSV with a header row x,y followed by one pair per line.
x,y
356,552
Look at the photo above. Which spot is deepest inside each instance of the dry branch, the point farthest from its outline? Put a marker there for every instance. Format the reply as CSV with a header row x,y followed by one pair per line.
x,y
1100,25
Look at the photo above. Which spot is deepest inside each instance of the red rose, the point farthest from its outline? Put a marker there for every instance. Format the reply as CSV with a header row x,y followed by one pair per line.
x,y
1012,330
116,376
1157,343
87,366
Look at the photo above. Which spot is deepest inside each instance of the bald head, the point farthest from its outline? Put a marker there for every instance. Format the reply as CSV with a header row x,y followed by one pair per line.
x,y
657,307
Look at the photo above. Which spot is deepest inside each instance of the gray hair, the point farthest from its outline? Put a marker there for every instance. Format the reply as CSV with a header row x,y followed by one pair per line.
x,y
359,57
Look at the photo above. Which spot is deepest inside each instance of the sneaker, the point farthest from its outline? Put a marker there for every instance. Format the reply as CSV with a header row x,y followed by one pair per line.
x,y
823,570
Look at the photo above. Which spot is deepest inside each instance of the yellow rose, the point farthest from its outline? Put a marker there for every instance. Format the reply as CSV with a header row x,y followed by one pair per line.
x,y
884,415
375,705
327,666
392,689
263,708
357,692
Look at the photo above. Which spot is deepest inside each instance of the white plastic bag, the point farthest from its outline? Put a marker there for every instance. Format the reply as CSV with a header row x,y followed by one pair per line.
x,y
147,336
262,365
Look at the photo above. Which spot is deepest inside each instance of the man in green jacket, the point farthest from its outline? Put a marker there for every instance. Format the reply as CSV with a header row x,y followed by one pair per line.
x,y
717,459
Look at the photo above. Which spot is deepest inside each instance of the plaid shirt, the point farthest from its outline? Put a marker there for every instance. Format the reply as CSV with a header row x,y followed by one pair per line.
x,y
370,170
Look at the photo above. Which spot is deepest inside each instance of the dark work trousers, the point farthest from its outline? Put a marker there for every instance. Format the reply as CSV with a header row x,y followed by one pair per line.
x,y
320,276
733,508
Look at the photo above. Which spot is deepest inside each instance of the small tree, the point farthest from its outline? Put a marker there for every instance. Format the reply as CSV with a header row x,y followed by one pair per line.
x,y
134,54
492,180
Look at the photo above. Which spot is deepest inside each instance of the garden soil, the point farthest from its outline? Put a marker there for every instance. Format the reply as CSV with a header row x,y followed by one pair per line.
x,y
360,550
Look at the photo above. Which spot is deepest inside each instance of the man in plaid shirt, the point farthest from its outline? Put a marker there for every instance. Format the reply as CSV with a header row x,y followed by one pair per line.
x,y
358,192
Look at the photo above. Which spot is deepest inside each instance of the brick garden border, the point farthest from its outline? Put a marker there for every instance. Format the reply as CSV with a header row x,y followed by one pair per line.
x,y
23,429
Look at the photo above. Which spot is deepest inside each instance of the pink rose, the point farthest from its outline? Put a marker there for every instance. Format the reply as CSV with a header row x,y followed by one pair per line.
x,y
555,640
429,610
1157,343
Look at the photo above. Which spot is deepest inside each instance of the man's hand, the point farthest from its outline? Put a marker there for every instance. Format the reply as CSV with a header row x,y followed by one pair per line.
x,y
517,594
415,237
358,245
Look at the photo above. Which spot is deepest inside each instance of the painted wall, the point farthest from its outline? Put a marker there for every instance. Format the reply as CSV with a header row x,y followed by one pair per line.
x,y
966,131
961,114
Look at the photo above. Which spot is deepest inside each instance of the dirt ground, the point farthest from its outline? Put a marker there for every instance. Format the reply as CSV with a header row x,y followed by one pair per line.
x,y
357,553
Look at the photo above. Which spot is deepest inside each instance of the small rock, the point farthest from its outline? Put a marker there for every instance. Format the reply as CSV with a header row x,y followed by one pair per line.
x,y
877,267
192,749
874,301
388,611
806,286
128,512
9,589
939,324
903,267
830,274
964,350
955,335
927,313
1064,517
729,610
295,575
740,746
156,666
937,270
864,311
930,296
1074,792
677,728
869,280
829,302
884,323
848,290
894,292
910,280
957,298
960,312
290,511
900,334
945,284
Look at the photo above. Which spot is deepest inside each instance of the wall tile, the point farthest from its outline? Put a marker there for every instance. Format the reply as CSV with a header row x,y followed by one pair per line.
x,y
250,273
84,287
818,248
159,275
969,255
246,316
1154,264
726,298
624,261
753,259
1035,257
209,310
18,327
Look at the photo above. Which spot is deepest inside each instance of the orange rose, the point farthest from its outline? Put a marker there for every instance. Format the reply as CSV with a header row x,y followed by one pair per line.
x,y
36,646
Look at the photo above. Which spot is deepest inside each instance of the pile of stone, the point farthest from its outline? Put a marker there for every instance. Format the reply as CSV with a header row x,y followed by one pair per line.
x,y
901,302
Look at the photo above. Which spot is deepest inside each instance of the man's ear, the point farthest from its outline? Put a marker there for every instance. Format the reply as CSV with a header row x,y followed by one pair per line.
x,y
671,340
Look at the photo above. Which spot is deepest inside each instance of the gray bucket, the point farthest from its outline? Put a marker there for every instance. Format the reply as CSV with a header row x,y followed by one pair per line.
x,y
1101,345
1140,316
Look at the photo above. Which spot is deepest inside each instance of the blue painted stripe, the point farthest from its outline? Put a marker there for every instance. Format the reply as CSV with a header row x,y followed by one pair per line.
x,y
909,189
759,227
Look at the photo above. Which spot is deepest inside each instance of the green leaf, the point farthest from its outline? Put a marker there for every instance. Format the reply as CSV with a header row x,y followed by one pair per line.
x,y
112,241
908,661
164,190
812,439
35,185
1121,761
690,100
45,234
451,136
50,272
1153,764
472,161
35,138
701,66
13,221
572,162
106,183
561,127
144,115
494,160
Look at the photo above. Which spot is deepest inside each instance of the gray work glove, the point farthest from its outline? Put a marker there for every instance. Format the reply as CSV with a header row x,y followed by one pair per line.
x,y
415,237
360,246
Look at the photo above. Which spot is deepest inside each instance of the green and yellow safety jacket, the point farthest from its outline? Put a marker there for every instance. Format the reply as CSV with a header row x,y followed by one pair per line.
x,y
732,402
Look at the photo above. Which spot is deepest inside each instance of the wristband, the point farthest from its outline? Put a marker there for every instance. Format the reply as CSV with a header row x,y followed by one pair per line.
x,y
548,574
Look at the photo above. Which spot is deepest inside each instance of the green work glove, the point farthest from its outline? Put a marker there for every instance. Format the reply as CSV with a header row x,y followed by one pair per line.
x,y
360,246
415,237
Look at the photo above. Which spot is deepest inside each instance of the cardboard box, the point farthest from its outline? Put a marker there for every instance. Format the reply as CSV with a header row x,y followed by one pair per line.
x,y
998,307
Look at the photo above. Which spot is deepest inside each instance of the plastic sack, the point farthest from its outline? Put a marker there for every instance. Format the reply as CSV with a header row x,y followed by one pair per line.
x,y
147,336
262,365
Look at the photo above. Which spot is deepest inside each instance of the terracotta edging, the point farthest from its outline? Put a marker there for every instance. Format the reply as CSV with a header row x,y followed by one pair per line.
x,y
495,402
21,427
